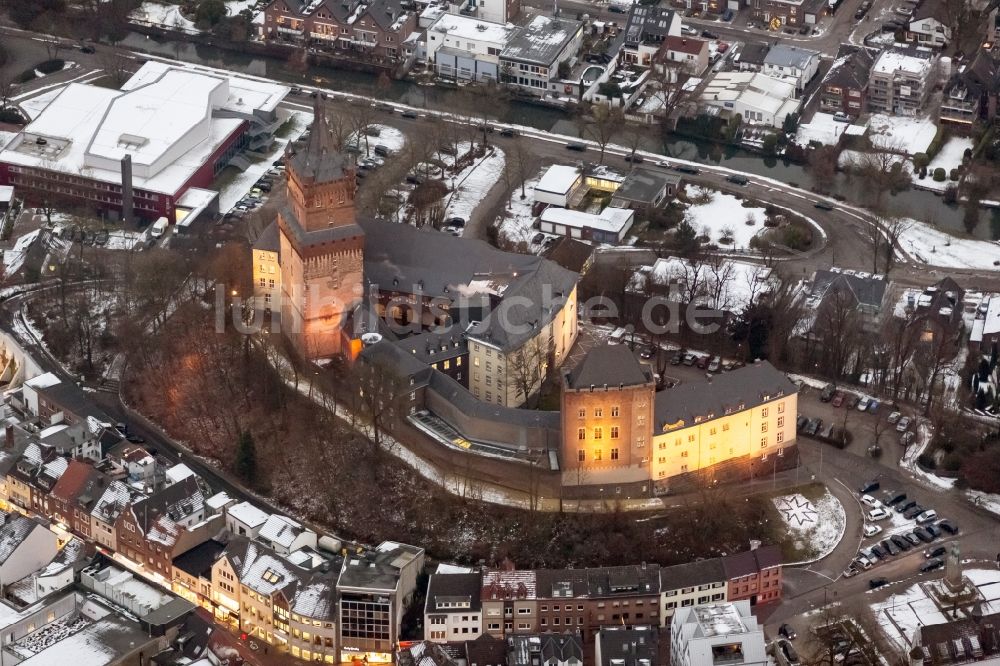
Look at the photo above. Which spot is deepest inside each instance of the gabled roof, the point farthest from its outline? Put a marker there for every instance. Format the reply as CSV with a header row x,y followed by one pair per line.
x,y
569,253
785,55
174,502
199,560
14,530
268,239
866,290
683,44
931,9
851,69
701,572
608,366
753,53
463,588
80,483
626,646
486,651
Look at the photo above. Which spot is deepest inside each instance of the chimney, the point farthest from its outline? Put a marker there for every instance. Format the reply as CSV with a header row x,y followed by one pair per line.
x,y
8,441
127,203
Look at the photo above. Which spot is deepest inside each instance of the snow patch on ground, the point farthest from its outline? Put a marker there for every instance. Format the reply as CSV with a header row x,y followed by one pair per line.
x,y
168,16
822,129
722,214
989,501
474,183
390,137
905,134
518,225
817,526
948,158
13,258
938,248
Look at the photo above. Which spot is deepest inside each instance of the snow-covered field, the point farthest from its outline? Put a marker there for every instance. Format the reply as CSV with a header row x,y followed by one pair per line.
x,y
234,7
724,215
948,158
474,183
822,128
168,16
390,137
909,135
938,248
517,226
815,526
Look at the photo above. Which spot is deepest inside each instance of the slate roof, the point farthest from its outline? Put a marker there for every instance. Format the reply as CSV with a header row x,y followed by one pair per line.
x,y
397,358
464,401
689,574
199,560
753,53
751,561
174,502
784,55
486,651
13,531
622,646
647,23
542,40
268,240
745,386
625,580
851,69
521,648
318,159
562,583
867,291
571,254
454,587
980,77
643,185
608,365
432,346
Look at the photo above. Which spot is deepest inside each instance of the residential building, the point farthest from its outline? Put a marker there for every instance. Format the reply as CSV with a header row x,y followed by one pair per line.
x,y
901,80
75,495
284,535
104,516
689,53
845,87
793,13
783,61
755,97
245,519
72,441
92,145
32,477
754,575
930,24
356,29
536,52
985,334
971,95
486,651
459,47
607,417
494,11
627,646
751,57
53,401
509,602
716,634
453,609
191,575
559,185
547,649
692,584
26,546
832,291
646,29
644,189
447,353
375,587
611,225
573,255
267,270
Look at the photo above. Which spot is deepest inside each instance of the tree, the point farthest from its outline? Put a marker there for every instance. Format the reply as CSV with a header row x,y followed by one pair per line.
x,y
526,367
378,393
210,12
116,65
822,166
882,172
837,329
668,85
246,458
602,124
25,14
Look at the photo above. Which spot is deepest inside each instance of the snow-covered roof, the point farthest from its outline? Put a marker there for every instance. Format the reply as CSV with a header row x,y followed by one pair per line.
x,y
246,95
559,179
280,530
754,89
178,473
615,220
991,325
43,381
248,514
218,500
6,191
15,529
542,40
893,60
472,29
784,55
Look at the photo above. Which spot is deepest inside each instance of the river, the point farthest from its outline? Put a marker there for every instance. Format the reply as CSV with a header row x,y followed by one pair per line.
x,y
919,204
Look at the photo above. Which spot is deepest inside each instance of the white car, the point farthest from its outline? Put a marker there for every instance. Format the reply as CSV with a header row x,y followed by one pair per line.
x,y
689,31
871,501
863,403
872,530
878,514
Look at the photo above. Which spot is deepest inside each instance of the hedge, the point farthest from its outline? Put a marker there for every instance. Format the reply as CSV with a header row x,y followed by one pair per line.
x,y
50,66
953,174
921,160
936,143
26,75
939,175
12,116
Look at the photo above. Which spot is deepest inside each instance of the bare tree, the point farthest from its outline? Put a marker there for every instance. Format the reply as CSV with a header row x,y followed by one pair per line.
x,y
380,397
526,366
822,166
116,65
670,86
882,172
602,123
837,330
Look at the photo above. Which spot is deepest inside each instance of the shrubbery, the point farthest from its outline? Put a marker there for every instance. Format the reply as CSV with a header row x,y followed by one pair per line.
x,y
940,175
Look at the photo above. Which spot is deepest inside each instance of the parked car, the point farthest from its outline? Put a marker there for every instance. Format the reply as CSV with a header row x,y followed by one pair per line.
x,y
878,514
101,237
876,583
813,427
634,158
932,564
689,31
869,487
800,421
871,530
913,512
702,363
508,132
677,358
863,561
893,418
904,10
905,505
863,403
924,535
933,530
841,117
826,395
708,34
838,399
873,406
790,654
904,424
892,497
689,359
715,364
851,570
936,551
577,146
786,631
871,501
928,516
912,538
948,526
901,542
408,113
889,547
382,150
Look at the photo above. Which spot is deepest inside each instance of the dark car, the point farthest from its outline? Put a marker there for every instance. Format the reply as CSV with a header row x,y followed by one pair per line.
x,y
708,34
826,395
790,654
880,551
913,512
737,179
101,237
890,547
932,564
676,359
135,439
937,551
905,505
702,362
409,114
508,132
901,542
924,535
455,221
86,48
876,583
822,205
786,631
388,108
948,526
893,497
577,146
634,158
869,487
933,530
800,422
684,168
815,426
913,538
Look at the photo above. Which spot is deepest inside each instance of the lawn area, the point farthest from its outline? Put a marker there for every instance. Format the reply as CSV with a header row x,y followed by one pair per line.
x,y
814,521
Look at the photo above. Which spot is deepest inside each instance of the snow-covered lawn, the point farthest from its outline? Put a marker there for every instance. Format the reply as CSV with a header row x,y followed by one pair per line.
x,y
474,183
818,526
822,128
168,16
124,240
234,7
948,158
909,135
235,189
857,158
938,248
517,227
13,258
390,137
724,215
989,501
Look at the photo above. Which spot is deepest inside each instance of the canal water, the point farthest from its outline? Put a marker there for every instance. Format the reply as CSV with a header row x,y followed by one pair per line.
x,y
919,204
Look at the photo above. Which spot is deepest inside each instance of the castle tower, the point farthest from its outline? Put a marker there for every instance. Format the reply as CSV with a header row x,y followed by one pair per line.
x,y
321,246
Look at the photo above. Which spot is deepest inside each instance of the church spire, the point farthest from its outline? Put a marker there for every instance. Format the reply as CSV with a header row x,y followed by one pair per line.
x,y
319,139
319,160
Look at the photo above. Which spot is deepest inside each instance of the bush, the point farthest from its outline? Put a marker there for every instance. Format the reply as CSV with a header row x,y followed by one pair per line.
x,y
211,12
920,160
926,461
953,174
50,66
952,462
12,117
26,75
796,237
951,194
939,175
936,144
